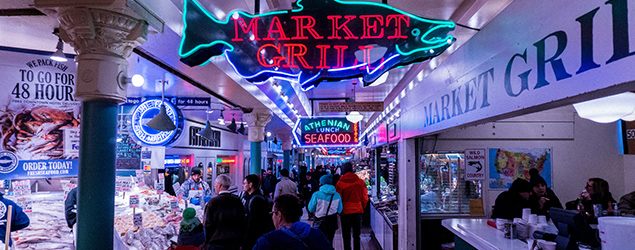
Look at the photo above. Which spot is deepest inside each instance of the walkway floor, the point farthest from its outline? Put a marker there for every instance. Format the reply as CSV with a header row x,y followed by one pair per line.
x,y
367,241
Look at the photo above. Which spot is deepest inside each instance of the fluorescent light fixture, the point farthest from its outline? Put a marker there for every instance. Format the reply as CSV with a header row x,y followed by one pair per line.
x,y
608,109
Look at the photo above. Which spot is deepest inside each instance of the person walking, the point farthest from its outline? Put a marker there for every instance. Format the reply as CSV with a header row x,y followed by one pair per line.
x,y
291,233
256,211
354,198
285,185
19,219
326,204
224,218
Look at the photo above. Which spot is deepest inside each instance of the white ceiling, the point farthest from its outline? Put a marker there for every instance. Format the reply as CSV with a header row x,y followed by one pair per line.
x,y
34,32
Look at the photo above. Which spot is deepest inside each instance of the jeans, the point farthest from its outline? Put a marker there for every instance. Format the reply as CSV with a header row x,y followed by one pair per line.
x,y
348,222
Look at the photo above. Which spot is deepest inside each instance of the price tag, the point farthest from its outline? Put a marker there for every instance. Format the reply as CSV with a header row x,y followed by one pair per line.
x,y
26,204
138,220
160,188
174,205
134,201
140,181
180,196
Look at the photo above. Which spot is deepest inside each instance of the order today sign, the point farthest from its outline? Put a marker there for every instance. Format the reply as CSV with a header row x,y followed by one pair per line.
x,y
475,164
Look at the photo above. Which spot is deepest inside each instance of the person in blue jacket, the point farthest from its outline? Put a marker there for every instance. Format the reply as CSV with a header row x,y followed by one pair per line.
x,y
19,219
291,233
326,204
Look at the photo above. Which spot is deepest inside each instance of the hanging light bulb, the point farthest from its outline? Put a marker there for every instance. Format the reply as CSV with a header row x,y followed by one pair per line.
x,y
221,119
162,121
354,116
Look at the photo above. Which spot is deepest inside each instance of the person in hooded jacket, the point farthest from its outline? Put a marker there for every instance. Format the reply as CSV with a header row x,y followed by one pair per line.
x,y
355,199
326,204
509,204
191,232
542,198
19,219
291,233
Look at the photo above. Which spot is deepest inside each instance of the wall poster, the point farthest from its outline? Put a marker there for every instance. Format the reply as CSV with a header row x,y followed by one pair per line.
x,y
39,116
509,164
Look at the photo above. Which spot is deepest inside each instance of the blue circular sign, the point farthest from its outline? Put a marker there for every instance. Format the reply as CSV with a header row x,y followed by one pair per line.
x,y
147,110
8,162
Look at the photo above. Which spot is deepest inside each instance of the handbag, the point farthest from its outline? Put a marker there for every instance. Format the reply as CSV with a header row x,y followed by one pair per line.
x,y
328,222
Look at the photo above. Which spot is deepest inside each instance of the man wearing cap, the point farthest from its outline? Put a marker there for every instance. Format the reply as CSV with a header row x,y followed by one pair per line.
x,y
509,204
542,198
354,198
326,204
195,189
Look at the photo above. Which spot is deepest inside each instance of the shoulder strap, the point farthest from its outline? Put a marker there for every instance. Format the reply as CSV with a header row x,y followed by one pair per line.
x,y
328,208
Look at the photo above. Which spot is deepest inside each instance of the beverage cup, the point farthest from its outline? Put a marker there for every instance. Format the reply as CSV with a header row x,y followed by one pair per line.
x,y
526,213
542,219
517,220
547,245
500,222
533,219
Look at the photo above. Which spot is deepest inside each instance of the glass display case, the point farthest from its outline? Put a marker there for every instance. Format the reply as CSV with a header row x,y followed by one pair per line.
x,y
442,186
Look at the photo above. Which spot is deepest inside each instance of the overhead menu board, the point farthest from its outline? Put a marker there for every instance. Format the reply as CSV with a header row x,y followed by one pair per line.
x,y
326,132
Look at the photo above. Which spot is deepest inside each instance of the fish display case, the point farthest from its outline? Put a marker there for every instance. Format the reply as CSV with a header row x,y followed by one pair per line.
x,y
384,206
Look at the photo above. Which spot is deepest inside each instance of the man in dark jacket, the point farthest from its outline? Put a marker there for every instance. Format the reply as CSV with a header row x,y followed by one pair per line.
x,y
70,207
224,218
19,219
291,233
256,211
542,198
269,182
509,204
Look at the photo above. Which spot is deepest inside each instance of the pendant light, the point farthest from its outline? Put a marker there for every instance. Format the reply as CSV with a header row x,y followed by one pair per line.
x,y
207,131
241,130
162,121
221,119
354,116
59,52
232,126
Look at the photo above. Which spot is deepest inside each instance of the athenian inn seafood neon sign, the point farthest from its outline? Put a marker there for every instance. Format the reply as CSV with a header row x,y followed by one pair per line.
x,y
325,40
326,132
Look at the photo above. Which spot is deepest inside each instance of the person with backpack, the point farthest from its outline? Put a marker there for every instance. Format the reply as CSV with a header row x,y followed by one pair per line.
x,y
291,233
326,204
256,211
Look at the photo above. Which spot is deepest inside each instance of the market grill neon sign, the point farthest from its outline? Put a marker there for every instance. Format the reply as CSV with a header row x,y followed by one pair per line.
x,y
325,40
326,132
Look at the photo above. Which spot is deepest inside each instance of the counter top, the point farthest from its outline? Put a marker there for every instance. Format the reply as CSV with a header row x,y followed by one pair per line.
x,y
477,233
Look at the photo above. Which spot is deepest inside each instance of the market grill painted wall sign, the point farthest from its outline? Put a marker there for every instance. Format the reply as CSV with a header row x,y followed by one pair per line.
x,y
326,132
318,40
557,58
39,117
144,112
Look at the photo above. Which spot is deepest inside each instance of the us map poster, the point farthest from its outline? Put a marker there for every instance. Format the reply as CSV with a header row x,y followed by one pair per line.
x,y
39,116
509,164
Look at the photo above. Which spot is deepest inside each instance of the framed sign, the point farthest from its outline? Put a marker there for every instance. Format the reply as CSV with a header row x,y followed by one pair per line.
x,y
326,132
475,164
509,164
147,110
316,41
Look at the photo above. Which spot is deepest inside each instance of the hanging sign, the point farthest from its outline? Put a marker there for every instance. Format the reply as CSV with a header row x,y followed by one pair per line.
x,y
326,132
334,107
147,110
316,41
475,164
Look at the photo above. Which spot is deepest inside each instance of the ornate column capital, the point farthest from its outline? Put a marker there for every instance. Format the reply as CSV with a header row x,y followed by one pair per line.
x,y
103,39
257,120
287,139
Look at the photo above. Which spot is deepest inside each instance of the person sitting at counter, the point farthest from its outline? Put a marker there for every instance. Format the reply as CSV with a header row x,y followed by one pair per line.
x,y
596,191
509,204
542,198
195,189
627,204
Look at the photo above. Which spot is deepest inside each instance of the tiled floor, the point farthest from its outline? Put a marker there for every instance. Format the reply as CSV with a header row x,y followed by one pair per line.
x,y
367,241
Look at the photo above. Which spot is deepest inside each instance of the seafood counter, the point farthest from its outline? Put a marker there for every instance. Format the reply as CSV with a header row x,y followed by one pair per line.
x,y
49,230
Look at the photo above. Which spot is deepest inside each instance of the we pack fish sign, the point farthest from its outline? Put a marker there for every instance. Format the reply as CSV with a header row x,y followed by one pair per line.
x,y
326,132
317,40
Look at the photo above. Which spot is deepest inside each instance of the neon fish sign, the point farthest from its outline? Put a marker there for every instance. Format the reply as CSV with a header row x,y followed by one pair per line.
x,y
326,40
